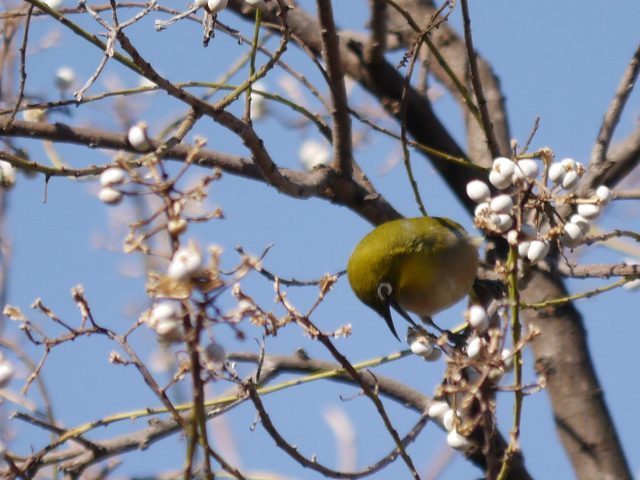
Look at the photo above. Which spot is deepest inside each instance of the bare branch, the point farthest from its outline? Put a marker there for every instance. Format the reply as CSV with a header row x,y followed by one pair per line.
x,y
343,150
474,75
612,116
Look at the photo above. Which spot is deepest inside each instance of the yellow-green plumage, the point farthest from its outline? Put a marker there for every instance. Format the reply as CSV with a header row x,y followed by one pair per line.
x,y
430,263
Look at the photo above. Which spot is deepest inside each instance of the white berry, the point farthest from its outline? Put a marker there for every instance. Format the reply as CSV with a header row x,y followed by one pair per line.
x,y
573,231
112,176
498,180
7,174
526,169
313,153
501,204
523,248
570,180
557,173
65,77
448,419
589,211
186,262
478,318
505,166
478,191
421,348
163,311
438,409
109,195
582,222
603,194
137,137
507,359
568,164
6,373
481,209
474,348
216,6
537,251
457,441
501,221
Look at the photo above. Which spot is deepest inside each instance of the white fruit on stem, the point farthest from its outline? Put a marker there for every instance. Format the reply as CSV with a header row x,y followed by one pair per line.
x,y
438,409
215,6
507,359
65,76
589,211
603,194
501,204
523,248
478,191
498,180
570,180
505,166
138,138
526,169
7,174
481,209
569,164
421,347
109,195
537,250
457,441
112,176
501,222
6,372
448,420
186,262
557,173
474,347
314,153
478,318
582,222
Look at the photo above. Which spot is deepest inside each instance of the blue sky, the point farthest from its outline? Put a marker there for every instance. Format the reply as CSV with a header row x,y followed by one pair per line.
x,y
558,60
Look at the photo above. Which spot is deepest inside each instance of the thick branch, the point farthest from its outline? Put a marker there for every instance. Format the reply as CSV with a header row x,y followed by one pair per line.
x,y
562,357
355,193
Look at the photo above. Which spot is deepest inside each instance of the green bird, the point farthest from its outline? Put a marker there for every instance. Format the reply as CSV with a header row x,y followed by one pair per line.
x,y
421,265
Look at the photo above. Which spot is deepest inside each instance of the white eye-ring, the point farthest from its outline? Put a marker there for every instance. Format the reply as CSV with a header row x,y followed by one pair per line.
x,y
384,290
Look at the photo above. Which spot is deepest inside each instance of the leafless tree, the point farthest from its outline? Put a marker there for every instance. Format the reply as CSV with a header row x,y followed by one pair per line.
x,y
521,281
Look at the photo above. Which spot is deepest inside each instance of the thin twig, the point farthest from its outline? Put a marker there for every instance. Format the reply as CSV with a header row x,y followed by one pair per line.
x,y
612,116
477,84
577,296
23,65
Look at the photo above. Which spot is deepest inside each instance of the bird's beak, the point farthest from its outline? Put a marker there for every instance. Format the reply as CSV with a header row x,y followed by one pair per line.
x,y
385,313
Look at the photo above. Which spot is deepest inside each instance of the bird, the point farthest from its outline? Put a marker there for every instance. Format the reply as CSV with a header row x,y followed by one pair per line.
x,y
421,265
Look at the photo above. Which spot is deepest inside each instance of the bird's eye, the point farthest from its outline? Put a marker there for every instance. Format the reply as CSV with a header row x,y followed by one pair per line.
x,y
384,290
